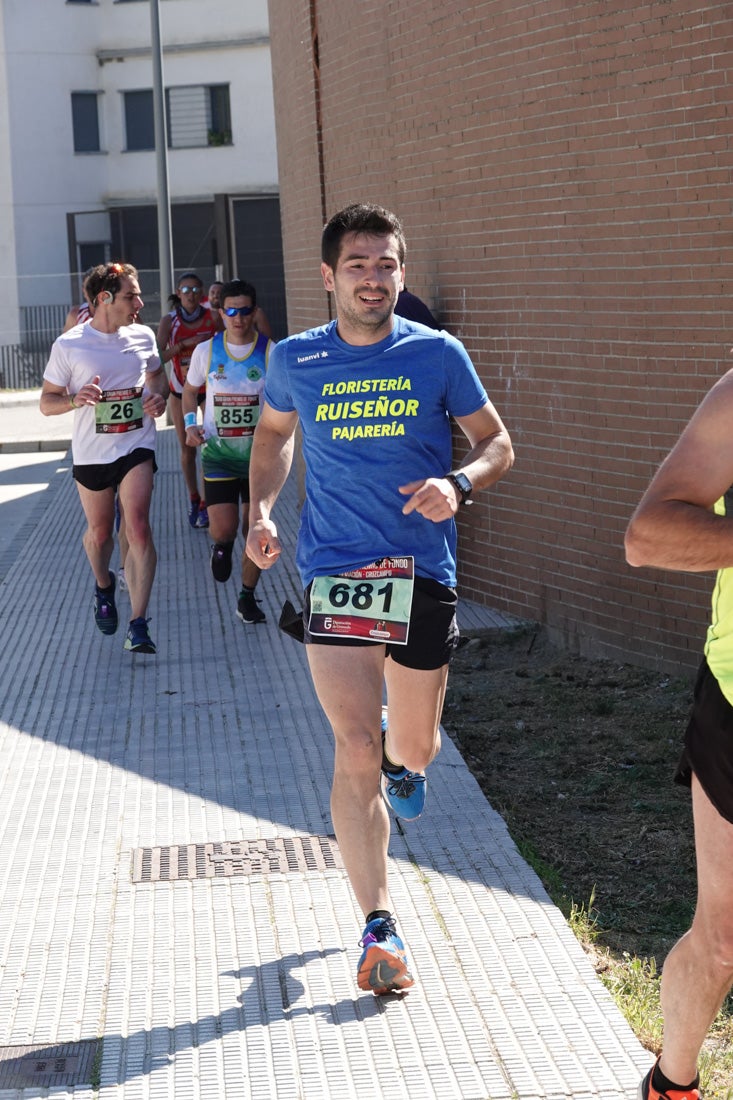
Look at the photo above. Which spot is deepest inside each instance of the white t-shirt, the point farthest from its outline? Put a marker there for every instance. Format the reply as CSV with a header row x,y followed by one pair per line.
x,y
117,425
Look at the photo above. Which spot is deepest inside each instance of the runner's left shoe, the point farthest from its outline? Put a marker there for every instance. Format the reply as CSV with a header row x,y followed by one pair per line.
x,y
383,966
202,519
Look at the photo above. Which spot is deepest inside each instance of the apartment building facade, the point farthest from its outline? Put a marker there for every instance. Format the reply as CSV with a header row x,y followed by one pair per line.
x,y
78,182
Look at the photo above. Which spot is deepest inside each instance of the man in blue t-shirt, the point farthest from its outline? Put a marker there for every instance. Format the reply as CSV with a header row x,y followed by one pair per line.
x,y
374,395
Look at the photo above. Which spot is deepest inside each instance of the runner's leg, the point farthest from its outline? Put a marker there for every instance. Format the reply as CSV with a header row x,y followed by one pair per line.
x,y
135,491
98,539
698,971
348,682
415,699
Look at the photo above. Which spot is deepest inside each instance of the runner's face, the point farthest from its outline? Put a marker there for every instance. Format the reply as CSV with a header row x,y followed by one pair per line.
x,y
127,303
190,292
240,330
365,283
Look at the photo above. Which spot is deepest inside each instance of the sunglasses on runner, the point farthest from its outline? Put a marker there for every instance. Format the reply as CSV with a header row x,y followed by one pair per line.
x,y
243,311
191,289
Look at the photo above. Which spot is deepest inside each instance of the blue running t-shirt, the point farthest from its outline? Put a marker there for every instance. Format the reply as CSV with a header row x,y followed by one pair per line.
x,y
373,418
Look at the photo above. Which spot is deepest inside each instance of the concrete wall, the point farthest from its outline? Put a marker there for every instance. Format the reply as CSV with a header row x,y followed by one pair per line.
x,y
563,172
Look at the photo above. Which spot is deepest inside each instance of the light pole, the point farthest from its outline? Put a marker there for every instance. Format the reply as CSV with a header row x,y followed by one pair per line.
x,y
165,250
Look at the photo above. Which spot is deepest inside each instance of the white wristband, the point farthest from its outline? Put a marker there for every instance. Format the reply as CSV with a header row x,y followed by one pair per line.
x,y
189,420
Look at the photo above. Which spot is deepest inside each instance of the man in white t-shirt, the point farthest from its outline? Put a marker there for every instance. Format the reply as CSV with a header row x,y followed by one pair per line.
x,y
109,373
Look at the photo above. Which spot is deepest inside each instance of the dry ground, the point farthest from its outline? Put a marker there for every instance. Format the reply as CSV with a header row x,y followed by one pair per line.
x,y
577,755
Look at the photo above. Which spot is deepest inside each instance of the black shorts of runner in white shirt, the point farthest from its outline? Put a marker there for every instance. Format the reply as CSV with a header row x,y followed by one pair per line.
x,y
98,476
708,751
433,633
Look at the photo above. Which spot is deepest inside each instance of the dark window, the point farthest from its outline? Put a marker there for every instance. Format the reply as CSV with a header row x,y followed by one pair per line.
x,y
220,131
139,122
196,115
85,119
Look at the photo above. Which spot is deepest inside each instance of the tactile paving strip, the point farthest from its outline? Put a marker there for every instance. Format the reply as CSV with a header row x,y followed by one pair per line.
x,y
229,859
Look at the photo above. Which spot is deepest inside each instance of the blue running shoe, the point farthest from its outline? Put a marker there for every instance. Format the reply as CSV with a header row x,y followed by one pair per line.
x,y
383,966
402,790
202,519
105,611
138,639
193,510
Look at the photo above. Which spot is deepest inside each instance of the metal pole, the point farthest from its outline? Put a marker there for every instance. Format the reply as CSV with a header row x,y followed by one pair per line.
x,y
165,249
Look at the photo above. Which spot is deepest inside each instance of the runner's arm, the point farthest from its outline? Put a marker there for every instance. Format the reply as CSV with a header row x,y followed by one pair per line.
x,y
58,399
156,382
165,351
269,466
674,525
491,456
190,404
72,319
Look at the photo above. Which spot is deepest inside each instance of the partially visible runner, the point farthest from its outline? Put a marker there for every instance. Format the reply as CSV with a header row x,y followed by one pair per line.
x,y
108,371
79,315
188,324
413,308
232,367
685,521
374,395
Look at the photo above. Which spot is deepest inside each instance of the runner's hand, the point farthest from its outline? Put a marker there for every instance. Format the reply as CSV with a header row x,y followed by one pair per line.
x,y
263,545
154,404
433,497
194,436
89,394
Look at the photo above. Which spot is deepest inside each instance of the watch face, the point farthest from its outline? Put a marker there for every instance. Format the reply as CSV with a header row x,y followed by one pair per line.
x,y
463,483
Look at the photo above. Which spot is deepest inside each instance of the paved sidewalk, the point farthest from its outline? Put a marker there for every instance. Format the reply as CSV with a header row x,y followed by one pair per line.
x,y
174,919
23,428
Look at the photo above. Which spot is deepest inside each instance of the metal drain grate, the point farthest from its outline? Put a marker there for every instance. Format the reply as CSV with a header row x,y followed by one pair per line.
x,y
239,858
44,1066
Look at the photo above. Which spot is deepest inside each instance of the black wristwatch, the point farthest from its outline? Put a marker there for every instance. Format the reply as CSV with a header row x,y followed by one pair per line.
x,y
462,484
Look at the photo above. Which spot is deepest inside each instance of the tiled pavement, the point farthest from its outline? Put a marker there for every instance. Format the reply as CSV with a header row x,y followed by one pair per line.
x,y
233,975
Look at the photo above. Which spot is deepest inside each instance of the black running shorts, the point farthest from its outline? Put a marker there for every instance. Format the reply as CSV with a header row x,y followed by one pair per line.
x,y
433,633
708,750
226,490
108,475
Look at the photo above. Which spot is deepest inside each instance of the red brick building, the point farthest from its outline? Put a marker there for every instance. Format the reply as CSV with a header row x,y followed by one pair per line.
x,y
563,171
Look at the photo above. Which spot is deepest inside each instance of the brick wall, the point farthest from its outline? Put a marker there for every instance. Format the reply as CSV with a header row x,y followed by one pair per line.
x,y
563,172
